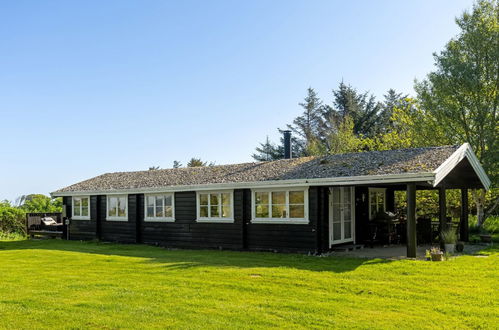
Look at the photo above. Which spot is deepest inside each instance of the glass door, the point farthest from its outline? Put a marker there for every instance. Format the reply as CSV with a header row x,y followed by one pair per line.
x,y
341,215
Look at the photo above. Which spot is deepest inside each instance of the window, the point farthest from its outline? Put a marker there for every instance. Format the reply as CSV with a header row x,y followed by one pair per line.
x,y
81,208
117,208
215,206
280,206
159,207
377,201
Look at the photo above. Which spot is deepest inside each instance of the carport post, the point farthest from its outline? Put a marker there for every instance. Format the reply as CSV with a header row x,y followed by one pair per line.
x,y
442,209
463,225
411,220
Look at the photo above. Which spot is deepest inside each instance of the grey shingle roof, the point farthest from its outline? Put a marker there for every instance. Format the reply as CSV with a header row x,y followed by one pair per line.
x,y
418,160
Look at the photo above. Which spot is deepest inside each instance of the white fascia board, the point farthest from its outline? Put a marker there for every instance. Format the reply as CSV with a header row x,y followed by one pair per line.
x,y
338,181
450,163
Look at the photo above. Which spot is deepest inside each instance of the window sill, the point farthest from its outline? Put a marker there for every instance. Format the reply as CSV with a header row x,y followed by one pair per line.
x,y
159,220
215,220
117,219
281,221
80,218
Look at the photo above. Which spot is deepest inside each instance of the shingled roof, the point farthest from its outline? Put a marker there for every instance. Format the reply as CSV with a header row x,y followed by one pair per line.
x,y
403,161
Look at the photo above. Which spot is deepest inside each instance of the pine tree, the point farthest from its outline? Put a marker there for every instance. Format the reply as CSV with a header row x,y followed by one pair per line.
x,y
177,164
196,162
306,127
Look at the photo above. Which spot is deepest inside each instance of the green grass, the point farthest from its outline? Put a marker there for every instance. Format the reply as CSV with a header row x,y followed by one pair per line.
x,y
60,284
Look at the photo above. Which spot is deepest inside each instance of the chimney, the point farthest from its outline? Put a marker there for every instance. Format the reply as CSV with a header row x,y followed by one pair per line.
x,y
287,144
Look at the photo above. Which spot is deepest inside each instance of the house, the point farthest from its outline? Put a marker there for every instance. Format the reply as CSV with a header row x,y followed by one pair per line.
x,y
304,205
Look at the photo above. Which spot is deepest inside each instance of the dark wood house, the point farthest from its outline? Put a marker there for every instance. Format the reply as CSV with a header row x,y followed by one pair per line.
x,y
304,205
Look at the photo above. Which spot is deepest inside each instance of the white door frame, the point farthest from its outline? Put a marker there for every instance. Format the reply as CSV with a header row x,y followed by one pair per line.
x,y
352,205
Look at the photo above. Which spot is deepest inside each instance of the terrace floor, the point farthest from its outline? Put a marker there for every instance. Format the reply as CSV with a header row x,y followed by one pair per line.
x,y
395,252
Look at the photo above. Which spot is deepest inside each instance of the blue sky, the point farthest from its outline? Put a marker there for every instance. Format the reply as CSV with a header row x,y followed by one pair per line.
x,y
89,87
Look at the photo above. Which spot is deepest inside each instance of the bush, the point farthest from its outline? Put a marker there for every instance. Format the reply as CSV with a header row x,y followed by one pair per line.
x,y
491,225
12,220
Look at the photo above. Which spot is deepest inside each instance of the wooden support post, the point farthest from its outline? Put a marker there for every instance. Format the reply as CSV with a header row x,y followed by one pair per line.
x,y
411,220
442,208
464,225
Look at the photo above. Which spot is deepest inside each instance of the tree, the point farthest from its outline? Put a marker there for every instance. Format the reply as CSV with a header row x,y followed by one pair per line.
x,y
177,164
153,168
267,151
462,93
411,127
392,100
343,139
306,126
38,203
196,162
363,109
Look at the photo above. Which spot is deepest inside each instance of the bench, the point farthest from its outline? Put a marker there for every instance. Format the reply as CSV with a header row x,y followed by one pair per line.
x,y
45,233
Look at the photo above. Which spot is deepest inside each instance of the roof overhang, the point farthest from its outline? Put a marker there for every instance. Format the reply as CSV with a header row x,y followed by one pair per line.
x,y
452,162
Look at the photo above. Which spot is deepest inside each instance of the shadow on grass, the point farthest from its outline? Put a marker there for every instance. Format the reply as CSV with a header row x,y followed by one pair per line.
x,y
184,259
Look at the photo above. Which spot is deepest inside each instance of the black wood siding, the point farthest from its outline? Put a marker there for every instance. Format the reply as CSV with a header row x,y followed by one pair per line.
x,y
287,237
82,229
185,232
118,231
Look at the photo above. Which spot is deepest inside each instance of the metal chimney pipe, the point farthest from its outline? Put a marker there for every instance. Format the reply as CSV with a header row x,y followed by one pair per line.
x,y
287,144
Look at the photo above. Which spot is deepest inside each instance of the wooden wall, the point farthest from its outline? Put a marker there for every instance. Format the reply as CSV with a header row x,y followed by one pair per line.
x,y
82,229
185,232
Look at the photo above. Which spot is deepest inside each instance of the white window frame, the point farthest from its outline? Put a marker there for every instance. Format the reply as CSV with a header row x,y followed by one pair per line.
x,y
79,217
159,219
377,190
215,219
270,220
116,218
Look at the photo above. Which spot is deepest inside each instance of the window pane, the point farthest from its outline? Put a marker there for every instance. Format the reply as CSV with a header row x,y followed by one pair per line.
x,y
76,210
226,199
113,201
77,203
168,200
297,211
337,231
226,211
159,211
347,197
336,195
279,197
122,206
347,214
262,211
168,212
203,211
150,201
278,211
214,200
84,201
261,198
84,211
348,229
296,197
214,211
150,211
203,199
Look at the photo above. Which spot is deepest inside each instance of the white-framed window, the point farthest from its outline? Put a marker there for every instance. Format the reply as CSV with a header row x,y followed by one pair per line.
x,y
159,207
215,206
117,208
377,201
280,206
81,208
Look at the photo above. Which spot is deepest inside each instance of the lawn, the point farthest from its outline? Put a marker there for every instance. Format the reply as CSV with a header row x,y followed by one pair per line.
x,y
61,284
